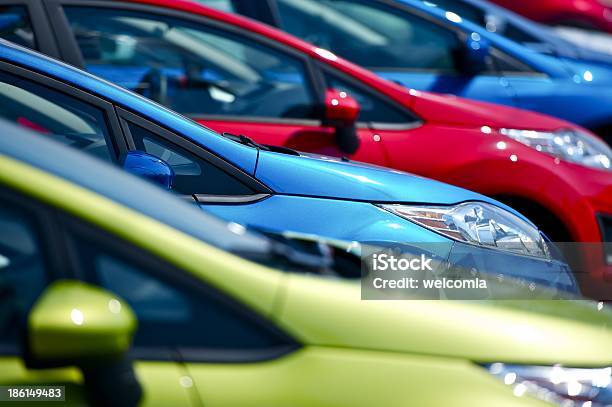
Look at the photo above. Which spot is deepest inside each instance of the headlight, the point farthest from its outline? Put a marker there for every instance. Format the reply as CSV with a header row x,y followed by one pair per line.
x,y
559,385
569,145
477,223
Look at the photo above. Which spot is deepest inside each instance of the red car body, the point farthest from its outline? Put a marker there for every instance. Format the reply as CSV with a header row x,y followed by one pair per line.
x,y
590,14
454,140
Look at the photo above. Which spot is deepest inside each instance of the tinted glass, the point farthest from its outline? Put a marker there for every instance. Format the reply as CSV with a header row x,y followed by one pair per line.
x,y
223,5
55,115
371,34
373,109
190,67
507,64
193,174
172,311
15,26
22,271
462,9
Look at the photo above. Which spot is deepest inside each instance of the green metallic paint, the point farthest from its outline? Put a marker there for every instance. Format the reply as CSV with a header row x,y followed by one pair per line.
x,y
355,353
74,321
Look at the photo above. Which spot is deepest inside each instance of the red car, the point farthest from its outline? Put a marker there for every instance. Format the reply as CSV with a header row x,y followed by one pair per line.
x,y
236,75
589,14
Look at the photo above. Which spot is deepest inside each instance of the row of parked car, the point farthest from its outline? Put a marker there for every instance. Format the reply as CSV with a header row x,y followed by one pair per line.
x,y
158,301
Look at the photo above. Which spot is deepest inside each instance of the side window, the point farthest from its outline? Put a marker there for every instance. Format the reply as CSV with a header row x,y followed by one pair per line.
x,y
504,63
15,26
373,109
462,9
191,68
55,115
173,310
223,5
193,174
22,271
371,34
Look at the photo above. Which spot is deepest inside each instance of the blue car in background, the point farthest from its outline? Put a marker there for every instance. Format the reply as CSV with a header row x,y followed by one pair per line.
x,y
514,27
271,188
424,47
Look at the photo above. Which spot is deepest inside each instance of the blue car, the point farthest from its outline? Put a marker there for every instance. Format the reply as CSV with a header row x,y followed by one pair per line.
x,y
424,47
517,28
271,188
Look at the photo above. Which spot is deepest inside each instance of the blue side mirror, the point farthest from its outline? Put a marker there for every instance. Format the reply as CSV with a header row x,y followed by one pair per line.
x,y
476,53
149,167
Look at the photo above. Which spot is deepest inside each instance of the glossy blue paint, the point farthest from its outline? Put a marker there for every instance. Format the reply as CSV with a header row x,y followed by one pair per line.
x,y
535,36
311,194
322,176
150,168
368,224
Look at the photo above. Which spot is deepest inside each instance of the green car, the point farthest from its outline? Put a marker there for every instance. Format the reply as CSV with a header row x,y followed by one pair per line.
x,y
121,294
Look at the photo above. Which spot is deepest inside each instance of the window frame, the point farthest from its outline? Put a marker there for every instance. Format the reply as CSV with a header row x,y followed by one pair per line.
x,y
51,245
43,36
73,228
260,190
71,52
115,138
415,122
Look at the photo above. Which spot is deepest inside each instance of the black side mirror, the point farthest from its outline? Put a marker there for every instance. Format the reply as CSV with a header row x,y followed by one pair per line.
x,y
149,167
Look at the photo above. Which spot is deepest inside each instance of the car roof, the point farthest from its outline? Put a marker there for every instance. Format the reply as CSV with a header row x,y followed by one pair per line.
x,y
128,190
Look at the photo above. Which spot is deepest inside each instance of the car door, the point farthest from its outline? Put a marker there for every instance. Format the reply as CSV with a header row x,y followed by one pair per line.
x,y
30,259
225,78
181,318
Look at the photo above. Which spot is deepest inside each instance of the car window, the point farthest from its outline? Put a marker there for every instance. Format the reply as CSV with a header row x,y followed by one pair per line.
x,y
461,8
55,115
191,68
507,64
371,34
173,309
15,26
223,5
193,174
22,271
373,109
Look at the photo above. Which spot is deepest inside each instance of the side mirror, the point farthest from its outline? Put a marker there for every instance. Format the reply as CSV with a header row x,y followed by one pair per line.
x,y
75,324
475,54
341,112
149,167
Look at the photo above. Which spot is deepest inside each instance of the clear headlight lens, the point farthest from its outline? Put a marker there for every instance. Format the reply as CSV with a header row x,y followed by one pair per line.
x,y
477,223
558,385
569,145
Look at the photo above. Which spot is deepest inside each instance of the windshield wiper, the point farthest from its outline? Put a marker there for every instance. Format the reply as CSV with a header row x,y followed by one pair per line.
x,y
242,139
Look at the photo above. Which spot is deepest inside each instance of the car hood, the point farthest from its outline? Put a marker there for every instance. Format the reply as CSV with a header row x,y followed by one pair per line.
x,y
456,111
573,333
329,177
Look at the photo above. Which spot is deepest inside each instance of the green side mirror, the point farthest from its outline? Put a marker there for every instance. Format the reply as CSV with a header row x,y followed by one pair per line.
x,y
73,322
